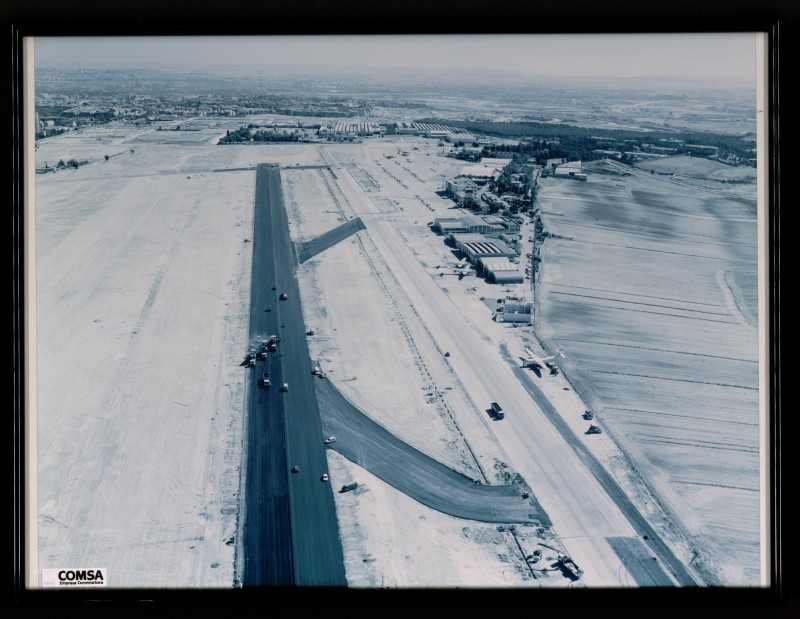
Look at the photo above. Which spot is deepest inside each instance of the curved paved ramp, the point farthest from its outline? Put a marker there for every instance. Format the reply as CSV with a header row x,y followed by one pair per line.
x,y
371,446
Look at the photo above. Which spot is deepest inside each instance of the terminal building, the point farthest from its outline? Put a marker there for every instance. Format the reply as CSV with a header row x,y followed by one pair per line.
x,y
431,130
477,246
351,129
475,224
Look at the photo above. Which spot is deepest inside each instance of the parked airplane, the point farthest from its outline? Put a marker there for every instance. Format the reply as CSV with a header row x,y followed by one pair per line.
x,y
534,362
461,264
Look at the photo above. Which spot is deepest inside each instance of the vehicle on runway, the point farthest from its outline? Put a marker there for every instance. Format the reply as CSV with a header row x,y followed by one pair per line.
x,y
329,440
285,387
497,411
324,477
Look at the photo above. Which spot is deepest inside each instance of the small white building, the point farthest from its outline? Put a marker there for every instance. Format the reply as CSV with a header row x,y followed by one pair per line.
x,y
479,171
495,162
571,169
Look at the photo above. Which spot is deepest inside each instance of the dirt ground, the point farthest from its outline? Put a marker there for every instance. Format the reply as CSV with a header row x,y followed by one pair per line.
x,y
142,294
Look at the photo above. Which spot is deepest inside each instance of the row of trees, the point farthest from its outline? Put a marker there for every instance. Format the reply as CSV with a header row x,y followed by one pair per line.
x,y
551,141
245,134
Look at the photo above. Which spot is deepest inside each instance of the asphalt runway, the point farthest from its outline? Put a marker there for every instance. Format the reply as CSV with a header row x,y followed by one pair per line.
x,y
267,526
370,445
639,562
308,539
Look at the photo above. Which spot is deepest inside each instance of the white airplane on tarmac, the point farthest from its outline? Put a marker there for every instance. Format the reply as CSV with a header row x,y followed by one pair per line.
x,y
461,264
534,362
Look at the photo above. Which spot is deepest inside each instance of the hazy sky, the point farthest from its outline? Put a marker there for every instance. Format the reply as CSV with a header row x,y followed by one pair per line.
x,y
721,55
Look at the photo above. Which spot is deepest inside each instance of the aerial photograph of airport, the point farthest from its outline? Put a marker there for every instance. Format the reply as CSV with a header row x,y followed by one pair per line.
x,y
418,311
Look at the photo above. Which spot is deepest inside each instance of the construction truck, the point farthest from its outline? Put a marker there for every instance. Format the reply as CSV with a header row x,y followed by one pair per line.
x,y
594,430
569,566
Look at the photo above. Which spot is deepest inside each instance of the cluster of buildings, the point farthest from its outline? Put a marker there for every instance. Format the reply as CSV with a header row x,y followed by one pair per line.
x,y
489,242
429,130
348,129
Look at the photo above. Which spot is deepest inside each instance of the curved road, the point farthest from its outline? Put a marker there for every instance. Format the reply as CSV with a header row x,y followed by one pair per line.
x,y
417,475
587,505
575,498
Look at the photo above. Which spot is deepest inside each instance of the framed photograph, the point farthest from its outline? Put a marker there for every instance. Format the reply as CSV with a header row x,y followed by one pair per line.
x,y
478,312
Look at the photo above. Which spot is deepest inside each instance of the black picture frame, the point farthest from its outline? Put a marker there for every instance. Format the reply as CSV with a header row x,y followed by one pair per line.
x,y
779,19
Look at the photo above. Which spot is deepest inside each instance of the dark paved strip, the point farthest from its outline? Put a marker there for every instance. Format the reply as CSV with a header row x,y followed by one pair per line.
x,y
642,565
267,541
639,523
323,166
316,547
290,530
311,248
417,475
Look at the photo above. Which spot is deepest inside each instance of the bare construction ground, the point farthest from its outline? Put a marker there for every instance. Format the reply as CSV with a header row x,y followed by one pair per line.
x,y
143,275
378,337
142,288
649,288
143,264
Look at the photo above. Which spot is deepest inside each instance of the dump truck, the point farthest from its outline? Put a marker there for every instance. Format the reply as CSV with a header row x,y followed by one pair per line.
x,y
497,411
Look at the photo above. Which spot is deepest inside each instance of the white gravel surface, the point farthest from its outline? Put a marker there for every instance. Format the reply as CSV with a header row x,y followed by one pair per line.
x,y
143,289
